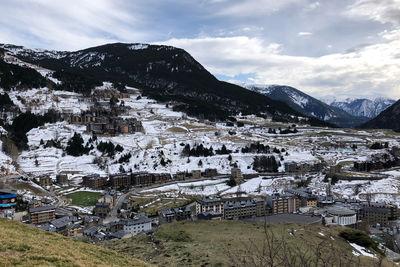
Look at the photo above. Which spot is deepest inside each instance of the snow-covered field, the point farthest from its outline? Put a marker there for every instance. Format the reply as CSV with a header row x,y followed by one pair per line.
x,y
167,132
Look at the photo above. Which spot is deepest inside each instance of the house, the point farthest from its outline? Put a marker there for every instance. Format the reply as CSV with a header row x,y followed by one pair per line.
x,y
127,204
111,125
45,181
61,224
118,235
160,178
175,214
106,198
42,214
307,199
378,213
292,166
209,204
141,179
179,176
244,209
94,181
323,201
62,179
283,203
74,230
196,174
120,180
75,119
139,224
92,232
102,209
90,221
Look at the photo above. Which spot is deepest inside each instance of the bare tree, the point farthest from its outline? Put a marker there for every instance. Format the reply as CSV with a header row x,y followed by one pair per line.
x,y
279,249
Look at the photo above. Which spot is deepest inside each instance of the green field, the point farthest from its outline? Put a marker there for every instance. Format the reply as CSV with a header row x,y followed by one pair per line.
x,y
235,243
23,245
84,198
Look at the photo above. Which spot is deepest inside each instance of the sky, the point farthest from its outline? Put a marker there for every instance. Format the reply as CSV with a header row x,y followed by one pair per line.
x,y
340,48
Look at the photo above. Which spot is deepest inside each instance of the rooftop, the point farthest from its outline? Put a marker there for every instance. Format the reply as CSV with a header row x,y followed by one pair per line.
x,y
42,208
340,211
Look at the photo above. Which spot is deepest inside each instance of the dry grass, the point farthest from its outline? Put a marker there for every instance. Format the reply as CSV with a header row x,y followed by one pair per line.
x,y
22,245
177,130
217,243
157,205
29,187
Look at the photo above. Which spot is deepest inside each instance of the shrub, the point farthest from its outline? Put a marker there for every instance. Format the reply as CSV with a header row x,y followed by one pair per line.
x,y
75,146
360,238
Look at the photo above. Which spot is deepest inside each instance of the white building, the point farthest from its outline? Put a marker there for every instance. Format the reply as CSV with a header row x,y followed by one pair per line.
x,y
340,215
139,224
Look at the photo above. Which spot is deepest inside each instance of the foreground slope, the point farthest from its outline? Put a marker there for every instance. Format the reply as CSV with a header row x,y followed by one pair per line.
x,y
387,119
236,243
22,245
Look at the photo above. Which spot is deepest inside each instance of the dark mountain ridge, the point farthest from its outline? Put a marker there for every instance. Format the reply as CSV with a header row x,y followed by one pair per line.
x,y
164,73
387,119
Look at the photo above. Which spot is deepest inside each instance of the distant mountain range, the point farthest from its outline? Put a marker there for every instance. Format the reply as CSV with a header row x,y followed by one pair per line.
x,y
163,73
362,107
387,119
344,113
306,104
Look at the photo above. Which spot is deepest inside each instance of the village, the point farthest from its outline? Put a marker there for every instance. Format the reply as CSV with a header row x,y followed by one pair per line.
x,y
145,165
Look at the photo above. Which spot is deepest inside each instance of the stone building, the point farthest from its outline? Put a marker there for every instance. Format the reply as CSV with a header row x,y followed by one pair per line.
x,y
94,181
45,181
42,214
120,180
283,203
62,178
196,174
102,209
209,204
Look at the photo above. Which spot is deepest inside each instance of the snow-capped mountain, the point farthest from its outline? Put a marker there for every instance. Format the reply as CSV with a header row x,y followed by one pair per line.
x,y
362,107
306,104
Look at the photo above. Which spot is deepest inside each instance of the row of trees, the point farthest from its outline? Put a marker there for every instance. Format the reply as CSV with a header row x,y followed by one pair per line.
x,y
202,151
265,164
261,148
109,148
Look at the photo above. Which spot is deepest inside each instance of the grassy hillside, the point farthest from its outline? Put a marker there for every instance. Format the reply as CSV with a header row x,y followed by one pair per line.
x,y
22,245
235,243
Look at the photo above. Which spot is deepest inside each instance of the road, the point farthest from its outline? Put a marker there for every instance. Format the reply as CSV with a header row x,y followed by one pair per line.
x,y
114,211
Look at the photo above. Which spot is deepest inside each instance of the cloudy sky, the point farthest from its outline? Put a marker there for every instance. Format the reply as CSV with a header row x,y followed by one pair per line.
x,y
324,48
